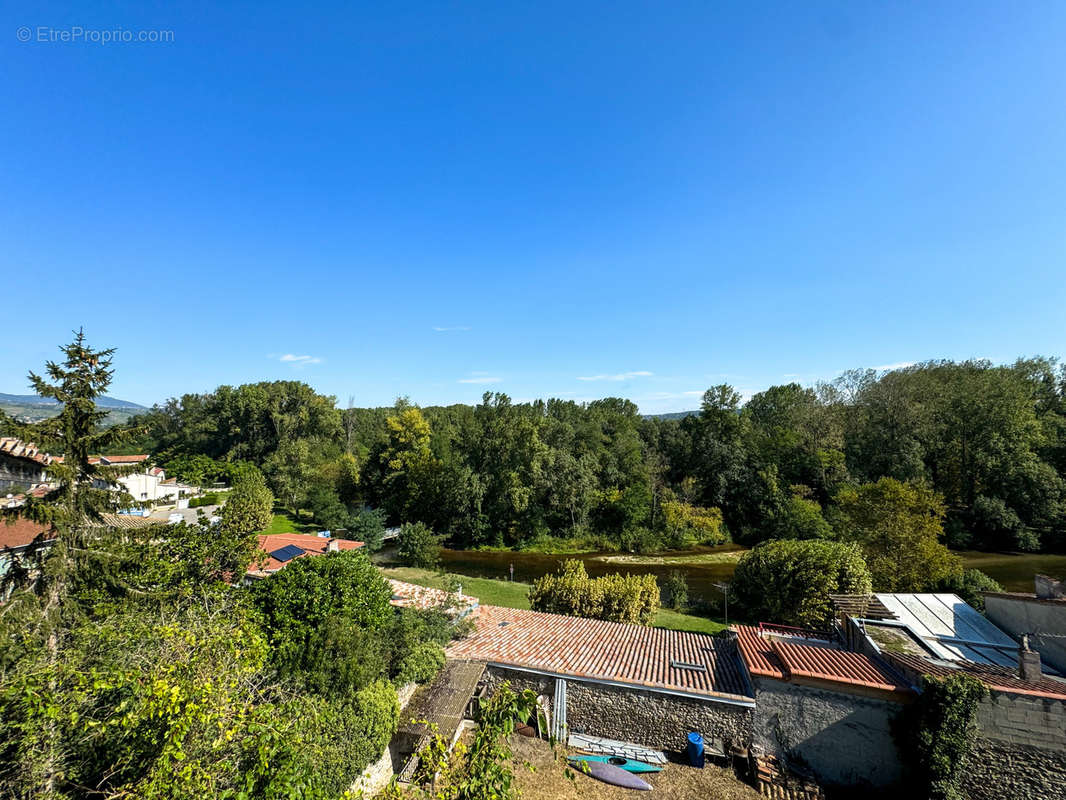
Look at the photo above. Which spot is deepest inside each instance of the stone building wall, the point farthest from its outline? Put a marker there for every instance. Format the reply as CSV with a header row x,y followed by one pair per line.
x,y
844,739
653,719
1021,749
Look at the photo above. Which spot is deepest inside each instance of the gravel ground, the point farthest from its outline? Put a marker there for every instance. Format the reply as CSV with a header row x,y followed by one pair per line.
x,y
676,781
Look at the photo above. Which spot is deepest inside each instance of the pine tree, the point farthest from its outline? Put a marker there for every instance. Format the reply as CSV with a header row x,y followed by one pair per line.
x,y
39,610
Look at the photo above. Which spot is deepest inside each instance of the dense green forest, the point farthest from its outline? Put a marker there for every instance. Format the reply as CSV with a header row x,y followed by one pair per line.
x,y
979,448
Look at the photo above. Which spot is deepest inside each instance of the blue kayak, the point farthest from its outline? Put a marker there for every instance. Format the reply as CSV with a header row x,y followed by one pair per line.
x,y
628,764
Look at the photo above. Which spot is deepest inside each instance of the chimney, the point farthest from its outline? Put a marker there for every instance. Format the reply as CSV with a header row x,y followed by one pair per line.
x,y
333,545
1028,661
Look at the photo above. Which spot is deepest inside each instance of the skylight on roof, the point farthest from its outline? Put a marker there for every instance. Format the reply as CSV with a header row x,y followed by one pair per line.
x,y
683,665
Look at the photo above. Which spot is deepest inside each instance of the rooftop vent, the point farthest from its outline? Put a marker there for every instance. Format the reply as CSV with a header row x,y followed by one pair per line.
x,y
287,553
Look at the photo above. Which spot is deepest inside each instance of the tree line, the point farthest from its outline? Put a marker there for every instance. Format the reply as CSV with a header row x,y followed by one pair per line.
x,y
981,447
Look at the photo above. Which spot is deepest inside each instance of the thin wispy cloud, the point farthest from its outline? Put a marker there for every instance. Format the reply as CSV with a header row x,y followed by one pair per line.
x,y
621,376
291,358
447,328
481,377
897,365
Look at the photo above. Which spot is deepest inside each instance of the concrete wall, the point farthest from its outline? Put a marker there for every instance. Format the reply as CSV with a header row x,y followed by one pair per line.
x,y
1021,750
653,719
844,739
1018,616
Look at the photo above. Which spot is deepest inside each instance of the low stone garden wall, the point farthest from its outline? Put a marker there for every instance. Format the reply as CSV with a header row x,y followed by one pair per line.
x,y
653,719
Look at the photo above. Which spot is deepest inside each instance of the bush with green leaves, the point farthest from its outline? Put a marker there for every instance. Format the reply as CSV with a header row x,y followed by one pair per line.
x,y
296,601
789,581
478,770
937,732
421,664
969,585
676,587
367,526
419,546
617,598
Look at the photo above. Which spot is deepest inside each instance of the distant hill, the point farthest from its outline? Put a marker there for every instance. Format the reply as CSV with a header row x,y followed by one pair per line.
x,y
673,415
31,408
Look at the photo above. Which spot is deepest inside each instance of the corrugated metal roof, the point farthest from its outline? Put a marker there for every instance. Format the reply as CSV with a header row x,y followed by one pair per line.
x,y
952,629
608,651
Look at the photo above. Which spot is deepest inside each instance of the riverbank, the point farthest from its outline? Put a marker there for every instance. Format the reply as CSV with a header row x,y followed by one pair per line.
x,y
514,594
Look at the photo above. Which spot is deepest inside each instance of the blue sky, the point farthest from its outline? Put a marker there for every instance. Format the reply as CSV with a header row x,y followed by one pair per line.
x,y
546,199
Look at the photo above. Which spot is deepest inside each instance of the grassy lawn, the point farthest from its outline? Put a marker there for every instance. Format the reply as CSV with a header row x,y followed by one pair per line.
x,y
514,595
285,522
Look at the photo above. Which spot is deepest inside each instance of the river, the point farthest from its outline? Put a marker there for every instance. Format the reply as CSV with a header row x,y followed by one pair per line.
x,y
705,566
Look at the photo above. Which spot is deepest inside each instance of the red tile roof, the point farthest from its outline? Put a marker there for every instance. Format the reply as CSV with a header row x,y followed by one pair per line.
x,y
607,651
992,676
839,666
784,657
118,459
758,653
309,543
19,531
411,595
17,448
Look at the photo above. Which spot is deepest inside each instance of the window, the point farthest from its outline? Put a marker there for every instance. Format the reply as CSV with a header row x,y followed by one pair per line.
x,y
144,495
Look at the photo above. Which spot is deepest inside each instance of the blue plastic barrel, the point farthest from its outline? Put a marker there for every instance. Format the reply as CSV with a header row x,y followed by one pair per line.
x,y
695,750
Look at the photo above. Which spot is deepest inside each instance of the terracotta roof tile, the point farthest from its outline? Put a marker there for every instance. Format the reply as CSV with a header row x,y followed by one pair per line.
x,y
783,656
838,666
17,448
118,459
19,531
992,676
308,542
411,595
609,651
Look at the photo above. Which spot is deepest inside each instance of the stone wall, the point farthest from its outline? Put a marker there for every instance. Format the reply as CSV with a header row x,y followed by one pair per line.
x,y
844,739
653,719
1021,751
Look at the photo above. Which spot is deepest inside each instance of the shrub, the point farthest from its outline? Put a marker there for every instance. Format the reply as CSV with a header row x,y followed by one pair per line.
x,y
209,499
676,587
422,663
969,586
368,527
298,600
617,598
340,658
693,523
419,546
789,581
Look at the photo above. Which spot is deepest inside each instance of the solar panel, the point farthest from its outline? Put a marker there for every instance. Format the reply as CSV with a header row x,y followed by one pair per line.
x,y
287,553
